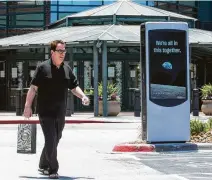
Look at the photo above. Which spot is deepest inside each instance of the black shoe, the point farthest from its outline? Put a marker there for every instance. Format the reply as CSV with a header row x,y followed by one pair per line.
x,y
44,171
54,176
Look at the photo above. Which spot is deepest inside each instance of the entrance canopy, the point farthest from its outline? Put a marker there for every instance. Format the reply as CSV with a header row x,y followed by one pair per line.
x,y
86,35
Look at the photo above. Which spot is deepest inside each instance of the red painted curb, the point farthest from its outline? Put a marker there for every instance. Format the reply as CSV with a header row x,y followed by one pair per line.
x,y
67,121
134,148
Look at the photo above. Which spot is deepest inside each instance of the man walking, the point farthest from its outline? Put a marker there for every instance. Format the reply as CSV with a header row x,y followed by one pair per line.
x,y
51,81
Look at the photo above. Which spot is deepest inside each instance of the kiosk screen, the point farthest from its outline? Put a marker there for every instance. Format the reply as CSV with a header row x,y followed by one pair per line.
x,y
167,64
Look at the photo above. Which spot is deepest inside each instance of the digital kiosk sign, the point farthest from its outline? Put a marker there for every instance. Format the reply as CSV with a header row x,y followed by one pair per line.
x,y
165,84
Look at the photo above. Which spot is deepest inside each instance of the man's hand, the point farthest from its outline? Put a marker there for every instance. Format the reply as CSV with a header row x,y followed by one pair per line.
x,y
85,101
27,112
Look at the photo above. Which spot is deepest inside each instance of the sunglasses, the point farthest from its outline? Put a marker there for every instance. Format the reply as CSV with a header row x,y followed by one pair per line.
x,y
61,51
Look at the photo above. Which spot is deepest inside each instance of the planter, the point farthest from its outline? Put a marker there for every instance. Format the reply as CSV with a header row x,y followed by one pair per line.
x,y
206,107
113,107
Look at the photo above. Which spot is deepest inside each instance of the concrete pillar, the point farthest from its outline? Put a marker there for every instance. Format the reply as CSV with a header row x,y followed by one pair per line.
x,y
95,68
71,63
104,77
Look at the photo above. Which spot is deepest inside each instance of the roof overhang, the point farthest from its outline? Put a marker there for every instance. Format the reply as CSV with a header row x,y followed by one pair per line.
x,y
75,36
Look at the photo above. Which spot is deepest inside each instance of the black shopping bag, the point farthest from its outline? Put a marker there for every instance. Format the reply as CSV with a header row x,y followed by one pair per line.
x,y
27,138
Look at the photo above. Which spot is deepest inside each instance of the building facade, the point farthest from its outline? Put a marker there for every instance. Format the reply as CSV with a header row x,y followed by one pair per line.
x,y
123,62
197,9
202,11
60,9
20,17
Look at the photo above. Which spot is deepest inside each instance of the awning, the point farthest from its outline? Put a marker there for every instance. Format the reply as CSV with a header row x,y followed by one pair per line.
x,y
118,34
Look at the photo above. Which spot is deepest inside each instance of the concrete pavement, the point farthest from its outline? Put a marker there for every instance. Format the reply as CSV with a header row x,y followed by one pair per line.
x,y
84,153
85,117
124,117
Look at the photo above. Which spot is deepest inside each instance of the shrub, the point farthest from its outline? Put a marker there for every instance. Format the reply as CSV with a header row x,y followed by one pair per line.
x,y
206,91
197,127
112,92
210,123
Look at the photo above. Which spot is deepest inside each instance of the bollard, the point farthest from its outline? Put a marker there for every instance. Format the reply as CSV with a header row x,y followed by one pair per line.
x,y
68,105
18,103
137,103
195,102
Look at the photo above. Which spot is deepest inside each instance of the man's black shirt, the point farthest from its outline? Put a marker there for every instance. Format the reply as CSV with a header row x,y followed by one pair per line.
x,y
53,84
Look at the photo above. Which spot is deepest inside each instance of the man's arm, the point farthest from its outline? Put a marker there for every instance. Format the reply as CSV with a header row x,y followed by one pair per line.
x,y
29,99
78,92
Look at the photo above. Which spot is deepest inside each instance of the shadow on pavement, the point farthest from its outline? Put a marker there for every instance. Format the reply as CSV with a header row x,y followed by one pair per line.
x,y
61,177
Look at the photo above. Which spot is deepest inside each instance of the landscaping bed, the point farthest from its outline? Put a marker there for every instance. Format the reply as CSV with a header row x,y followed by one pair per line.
x,y
201,132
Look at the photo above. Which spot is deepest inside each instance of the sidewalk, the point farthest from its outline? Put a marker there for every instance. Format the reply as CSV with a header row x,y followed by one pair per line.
x,y
123,117
201,117
84,117
76,118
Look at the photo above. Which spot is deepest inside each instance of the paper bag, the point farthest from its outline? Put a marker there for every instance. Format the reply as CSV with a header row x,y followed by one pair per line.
x,y
27,138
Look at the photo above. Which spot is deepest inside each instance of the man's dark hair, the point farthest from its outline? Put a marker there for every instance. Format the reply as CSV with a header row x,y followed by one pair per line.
x,y
54,44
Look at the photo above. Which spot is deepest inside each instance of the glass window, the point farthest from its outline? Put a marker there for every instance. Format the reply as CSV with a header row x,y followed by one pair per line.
x,y
27,2
188,3
64,8
2,21
2,32
54,2
81,2
100,2
70,2
3,17
53,17
150,3
38,2
108,1
29,23
53,8
62,15
30,17
73,8
140,2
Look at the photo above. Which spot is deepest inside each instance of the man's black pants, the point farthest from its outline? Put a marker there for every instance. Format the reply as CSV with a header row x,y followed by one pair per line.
x,y
52,127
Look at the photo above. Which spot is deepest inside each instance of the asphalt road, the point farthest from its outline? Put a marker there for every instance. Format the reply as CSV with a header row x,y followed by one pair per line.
x,y
190,165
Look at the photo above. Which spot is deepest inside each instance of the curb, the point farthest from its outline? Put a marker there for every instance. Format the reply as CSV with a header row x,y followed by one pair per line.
x,y
67,121
133,148
166,147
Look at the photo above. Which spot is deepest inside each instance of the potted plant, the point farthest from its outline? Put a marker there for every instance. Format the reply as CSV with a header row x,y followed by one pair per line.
x,y
113,100
206,92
